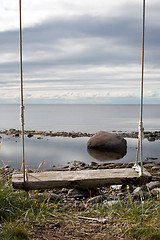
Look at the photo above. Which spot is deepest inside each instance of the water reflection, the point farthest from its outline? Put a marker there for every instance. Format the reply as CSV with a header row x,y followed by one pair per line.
x,y
60,151
103,155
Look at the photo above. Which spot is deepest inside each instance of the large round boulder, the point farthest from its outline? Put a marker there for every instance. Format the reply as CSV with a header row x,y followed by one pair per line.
x,y
104,141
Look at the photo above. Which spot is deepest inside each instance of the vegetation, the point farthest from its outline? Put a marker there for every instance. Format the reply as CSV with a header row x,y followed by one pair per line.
x,y
21,217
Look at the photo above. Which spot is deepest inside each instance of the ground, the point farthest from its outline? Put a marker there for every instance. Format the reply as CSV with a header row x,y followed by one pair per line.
x,y
71,231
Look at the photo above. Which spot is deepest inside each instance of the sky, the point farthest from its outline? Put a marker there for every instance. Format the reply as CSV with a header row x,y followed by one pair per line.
x,y
79,51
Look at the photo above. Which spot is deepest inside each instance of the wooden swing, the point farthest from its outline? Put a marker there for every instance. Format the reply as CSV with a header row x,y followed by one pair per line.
x,y
84,178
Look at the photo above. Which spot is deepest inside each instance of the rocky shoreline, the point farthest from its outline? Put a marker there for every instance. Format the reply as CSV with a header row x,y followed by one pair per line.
x,y
151,136
108,196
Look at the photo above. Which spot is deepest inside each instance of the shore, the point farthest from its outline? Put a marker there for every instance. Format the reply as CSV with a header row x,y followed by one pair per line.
x,y
151,136
101,213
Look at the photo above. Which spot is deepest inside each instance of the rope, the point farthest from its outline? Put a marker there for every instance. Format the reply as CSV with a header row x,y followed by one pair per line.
x,y
141,129
22,105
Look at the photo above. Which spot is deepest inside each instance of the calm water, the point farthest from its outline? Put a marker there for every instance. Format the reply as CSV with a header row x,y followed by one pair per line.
x,y
83,118
60,151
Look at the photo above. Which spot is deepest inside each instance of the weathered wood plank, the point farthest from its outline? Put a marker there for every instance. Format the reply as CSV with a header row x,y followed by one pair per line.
x,y
80,179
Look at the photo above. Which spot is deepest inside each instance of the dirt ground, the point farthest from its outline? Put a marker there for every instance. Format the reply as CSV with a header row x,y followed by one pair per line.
x,y
69,232
77,229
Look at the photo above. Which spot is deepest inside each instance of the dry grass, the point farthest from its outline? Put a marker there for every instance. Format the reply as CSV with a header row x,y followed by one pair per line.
x,y
44,219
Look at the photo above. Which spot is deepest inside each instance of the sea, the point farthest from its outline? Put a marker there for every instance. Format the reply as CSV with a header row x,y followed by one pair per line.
x,y
87,118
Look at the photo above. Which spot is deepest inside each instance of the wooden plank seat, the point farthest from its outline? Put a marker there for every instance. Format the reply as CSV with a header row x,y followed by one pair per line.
x,y
80,179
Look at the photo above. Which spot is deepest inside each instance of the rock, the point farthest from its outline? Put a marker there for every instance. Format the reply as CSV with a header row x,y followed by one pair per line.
x,y
94,164
156,168
116,187
155,179
12,130
78,193
60,168
149,165
108,142
30,135
54,198
138,192
151,158
94,200
155,191
151,139
153,185
110,203
76,163
16,135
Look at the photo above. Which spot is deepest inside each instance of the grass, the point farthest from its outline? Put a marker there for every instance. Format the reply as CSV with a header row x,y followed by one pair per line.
x,y
132,219
14,231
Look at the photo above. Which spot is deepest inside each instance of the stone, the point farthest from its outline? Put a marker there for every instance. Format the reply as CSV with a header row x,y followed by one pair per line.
x,y
151,139
30,135
54,198
107,143
94,200
155,191
156,168
78,193
153,185
16,135
150,159
155,179
110,203
76,163
149,165
116,187
138,192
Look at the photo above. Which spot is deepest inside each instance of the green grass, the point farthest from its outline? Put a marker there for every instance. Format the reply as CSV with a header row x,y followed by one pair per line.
x,y
14,231
132,219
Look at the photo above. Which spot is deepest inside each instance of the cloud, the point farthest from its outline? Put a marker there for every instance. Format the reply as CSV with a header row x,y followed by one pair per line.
x,y
83,53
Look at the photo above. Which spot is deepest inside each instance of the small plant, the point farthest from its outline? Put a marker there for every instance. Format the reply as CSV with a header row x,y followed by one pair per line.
x,y
14,231
131,219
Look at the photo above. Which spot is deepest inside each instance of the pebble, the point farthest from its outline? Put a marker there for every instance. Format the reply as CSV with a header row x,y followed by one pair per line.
x,y
155,191
116,187
78,193
138,192
30,135
149,165
153,185
55,197
97,199
156,168
110,203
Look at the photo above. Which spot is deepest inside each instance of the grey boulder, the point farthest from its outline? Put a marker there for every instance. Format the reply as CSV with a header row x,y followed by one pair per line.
x,y
107,142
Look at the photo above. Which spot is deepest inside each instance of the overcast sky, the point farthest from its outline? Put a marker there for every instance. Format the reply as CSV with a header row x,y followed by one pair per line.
x,y
79,51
